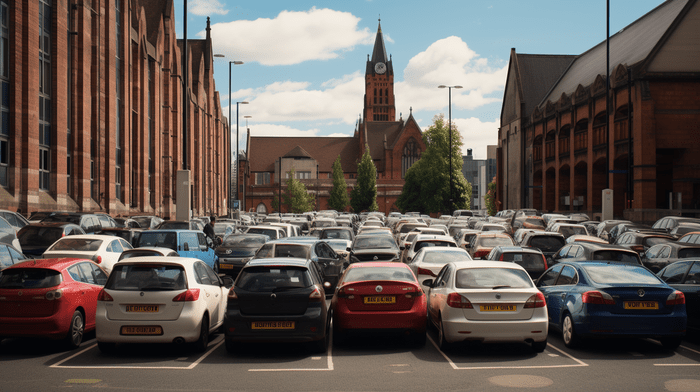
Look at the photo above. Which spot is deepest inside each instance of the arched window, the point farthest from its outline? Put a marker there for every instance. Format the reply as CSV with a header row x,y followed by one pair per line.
x,y
411,153
261,208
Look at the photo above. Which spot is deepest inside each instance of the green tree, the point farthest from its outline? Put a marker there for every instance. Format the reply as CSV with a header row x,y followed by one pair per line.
x,y
339,198
427,182
364,194
296,197
490,199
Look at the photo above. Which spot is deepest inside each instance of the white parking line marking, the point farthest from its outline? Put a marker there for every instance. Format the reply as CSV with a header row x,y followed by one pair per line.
x,y
190,367
327,369
681,364
455,367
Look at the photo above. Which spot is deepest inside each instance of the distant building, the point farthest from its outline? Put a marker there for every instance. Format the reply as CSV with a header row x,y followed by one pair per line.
x,y
556,151
479,173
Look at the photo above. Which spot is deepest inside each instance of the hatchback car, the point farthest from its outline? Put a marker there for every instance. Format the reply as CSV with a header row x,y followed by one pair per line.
x,y
531,259
237,250
608,299
160,300
35,238
379,296
487,301
429,261
277,300
371,247
187,243
640,241
53,299
546,241
102,249
483,242
426,241
90,223
661,255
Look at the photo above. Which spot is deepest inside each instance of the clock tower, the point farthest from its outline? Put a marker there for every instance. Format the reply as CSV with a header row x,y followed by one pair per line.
x,y
379,84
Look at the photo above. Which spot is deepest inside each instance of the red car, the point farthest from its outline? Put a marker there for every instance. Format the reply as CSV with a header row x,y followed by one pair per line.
x,y
379,296
52,298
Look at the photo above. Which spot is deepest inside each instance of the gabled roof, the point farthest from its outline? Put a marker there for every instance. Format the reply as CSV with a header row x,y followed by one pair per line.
x,y
538,72
629,46
297,152
154,9
267,149
380,131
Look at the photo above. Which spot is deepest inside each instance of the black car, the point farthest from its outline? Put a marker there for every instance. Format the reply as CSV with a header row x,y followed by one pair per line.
x,y
684,276
593,251
278,300
35,238
532,259
661,255
130,235
624,227
368,247
641,240
90,223
237,250
546,241
669,223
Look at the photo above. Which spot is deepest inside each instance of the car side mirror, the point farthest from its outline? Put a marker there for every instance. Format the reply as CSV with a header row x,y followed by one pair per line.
x,y
227,281
428,283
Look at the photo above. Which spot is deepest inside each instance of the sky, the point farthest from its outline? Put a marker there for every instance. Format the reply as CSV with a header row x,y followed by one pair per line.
x,y
304,61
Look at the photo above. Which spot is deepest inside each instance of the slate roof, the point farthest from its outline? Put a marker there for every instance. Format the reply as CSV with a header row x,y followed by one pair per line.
x,y
537,75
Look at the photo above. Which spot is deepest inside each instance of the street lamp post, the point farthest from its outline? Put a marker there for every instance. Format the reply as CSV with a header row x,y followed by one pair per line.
x,y
449,89
237,137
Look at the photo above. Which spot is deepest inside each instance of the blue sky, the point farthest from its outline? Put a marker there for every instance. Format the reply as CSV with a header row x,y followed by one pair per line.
x,y
305,60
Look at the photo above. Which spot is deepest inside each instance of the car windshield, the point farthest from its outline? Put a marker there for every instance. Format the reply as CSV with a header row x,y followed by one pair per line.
x,y
244,241
147,277
301,251
39,236
605,274
79,244
220,228
158,239
444,257
492,278
374,242
361,274
29,278
615,255
277,278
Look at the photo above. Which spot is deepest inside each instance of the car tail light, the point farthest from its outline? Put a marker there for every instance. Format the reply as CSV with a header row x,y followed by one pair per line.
x,y
98,259
232,293
187,296
598,298
417,292
535,301
104,296
56,294
481,253
343,294
316,295
423,271
544,260
676,298
454,300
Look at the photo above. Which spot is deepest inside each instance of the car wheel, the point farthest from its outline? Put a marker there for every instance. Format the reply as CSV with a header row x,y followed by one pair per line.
x,y
539,347
201,344
106,348
568,333
671,343
230,346
442,343
76,330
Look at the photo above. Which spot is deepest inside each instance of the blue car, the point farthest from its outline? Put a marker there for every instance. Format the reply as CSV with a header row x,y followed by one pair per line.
x,y
608,299
187,243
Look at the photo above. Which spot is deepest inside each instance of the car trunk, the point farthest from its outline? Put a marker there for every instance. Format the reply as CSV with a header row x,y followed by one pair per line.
x,y
292,301
137,305
639,301
505,305
379,295
27,303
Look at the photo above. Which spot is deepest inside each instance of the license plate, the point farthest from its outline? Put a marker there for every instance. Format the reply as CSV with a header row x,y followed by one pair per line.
x,y
378,299
497,308
641,305
225,266
142,308
145,330
273,325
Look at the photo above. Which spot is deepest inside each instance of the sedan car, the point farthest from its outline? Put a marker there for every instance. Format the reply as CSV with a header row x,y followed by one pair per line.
x,y
103,249
372,247
160,300
429,261
608,299
237,250
487,301
661,255
53,299
684,276
532,259
585,251
379,296
277,300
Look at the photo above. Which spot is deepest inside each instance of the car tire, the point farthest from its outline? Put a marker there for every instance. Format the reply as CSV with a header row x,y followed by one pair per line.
x,y
201,344
539,347
568,332
230,346
76,330
443,344
106,348
671,343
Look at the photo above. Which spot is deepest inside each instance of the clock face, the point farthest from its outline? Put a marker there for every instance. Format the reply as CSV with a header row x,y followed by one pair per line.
x,y
380,68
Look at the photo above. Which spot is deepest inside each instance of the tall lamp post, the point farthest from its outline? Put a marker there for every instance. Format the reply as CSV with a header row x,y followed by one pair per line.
x,y
237,137
243,200
449,89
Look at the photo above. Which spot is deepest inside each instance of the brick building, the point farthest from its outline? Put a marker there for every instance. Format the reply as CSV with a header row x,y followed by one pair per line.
x,y
394,147
96,123
555,150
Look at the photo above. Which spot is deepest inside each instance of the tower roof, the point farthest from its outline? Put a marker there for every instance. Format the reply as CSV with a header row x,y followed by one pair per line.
x,y
379,52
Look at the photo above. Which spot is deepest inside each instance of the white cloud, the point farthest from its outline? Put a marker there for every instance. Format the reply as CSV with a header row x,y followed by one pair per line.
x,y
290,38
206,7
477,134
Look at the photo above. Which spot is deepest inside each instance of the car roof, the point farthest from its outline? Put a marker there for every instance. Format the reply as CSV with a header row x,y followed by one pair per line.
x,y
185,261
274,261
160,249
513,249
365,264
57,264
171,231
437,237
486,264
103,237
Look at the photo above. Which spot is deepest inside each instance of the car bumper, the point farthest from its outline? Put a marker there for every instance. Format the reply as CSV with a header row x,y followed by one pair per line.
x,y
650,326
52,327
310,326
458,329
110,331
414,318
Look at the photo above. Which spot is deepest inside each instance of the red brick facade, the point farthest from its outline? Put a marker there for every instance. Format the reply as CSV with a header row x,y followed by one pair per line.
x,y
115,93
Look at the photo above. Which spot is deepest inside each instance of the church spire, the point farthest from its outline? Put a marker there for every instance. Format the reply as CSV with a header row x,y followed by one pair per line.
x,y
379,52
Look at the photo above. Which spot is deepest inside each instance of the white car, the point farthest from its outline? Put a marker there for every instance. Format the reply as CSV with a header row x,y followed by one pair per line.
x,y
102,249
160,300
429,261
426,241
487,301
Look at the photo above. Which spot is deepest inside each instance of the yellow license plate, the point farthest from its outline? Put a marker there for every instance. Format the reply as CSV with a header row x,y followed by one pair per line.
x,y
641,305
273,325
497,308
145,330
225,266
378,299
142,308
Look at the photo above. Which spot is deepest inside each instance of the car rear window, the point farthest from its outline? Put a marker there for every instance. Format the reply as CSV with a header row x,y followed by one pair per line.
x,y
360,274
374,242
605,274
147,277
336,234
269,232
39,236
427,244
273,278
439,257
29,278
690,252
158,239
491,278
619,256
79,244
525,260
495,241
547,243
651,241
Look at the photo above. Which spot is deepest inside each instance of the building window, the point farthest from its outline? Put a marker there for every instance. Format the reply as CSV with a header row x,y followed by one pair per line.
x,y
119,161
44,94
304,175
4,94
411,153
262,178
